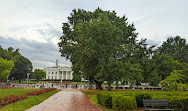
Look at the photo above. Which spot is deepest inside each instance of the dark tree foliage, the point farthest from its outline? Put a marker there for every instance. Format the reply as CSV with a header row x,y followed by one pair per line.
x,y
21,68
38,74
22,65
175,47
99,45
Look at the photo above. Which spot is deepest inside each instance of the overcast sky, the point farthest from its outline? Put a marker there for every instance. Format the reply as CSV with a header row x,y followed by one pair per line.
x,y
34,26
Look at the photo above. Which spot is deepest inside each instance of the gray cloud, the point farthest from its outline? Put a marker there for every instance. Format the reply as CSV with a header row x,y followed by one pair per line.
x,y
40,54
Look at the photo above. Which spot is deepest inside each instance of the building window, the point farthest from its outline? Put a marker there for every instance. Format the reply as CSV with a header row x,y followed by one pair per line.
x,y
48,72
48,77
55,72
52,72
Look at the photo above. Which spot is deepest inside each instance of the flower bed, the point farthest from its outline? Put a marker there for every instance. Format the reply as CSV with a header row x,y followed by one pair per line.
x,y
11,99
35,93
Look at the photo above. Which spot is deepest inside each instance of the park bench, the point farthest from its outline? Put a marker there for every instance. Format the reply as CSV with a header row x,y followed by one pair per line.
x,y
156,105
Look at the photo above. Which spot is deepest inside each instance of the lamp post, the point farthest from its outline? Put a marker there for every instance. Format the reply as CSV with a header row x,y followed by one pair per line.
x,y
7,77
28,78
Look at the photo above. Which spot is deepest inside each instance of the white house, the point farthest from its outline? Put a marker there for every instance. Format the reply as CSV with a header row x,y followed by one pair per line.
x,y
58,73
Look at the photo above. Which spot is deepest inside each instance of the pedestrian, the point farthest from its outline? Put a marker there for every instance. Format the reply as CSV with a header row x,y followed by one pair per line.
x,y
66,85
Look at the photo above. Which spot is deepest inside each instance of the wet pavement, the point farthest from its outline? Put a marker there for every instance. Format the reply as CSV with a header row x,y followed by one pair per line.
x,y
66,100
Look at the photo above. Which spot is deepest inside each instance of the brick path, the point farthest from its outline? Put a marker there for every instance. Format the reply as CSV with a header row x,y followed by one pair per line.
x,y
66,100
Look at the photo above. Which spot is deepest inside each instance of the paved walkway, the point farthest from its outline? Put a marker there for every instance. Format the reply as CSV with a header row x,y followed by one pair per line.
x,y
66,100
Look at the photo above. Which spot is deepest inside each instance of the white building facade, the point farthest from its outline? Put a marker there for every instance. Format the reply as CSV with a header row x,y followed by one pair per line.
x,y
58,73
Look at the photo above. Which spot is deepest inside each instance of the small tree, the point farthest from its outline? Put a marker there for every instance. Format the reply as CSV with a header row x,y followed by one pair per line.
x,y
38,74
5,68
174,82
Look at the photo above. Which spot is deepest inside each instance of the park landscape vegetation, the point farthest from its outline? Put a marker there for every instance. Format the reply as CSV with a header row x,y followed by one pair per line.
x,y
104,47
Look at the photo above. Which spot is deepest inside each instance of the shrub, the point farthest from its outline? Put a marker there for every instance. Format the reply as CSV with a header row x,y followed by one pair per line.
x,y
122,103
177,100
10,99
105,99
178,103
139,98
35,93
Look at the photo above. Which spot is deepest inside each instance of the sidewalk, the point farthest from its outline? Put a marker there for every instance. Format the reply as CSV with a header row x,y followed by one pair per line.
x,y
66,100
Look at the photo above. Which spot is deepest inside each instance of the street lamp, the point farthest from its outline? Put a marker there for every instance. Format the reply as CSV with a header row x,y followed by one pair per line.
x,y
28,78
7,77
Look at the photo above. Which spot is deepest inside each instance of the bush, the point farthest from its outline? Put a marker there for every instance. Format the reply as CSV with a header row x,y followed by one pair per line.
x,y
10,99
139,98
122,103
178,103
105,99
35,93
177,100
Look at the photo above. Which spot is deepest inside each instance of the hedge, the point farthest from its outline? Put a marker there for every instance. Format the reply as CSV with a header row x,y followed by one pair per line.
x,y
139,98
105,99
178,103
122,103
177,100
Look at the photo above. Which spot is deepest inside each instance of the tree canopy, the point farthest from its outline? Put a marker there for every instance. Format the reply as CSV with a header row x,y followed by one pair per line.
x,y
5,68
104,47
38,74
175,47
22,65
100,45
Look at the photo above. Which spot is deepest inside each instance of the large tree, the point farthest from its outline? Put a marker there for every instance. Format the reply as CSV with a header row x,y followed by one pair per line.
x,y
96,42
22,67
175,47
160,68
22,64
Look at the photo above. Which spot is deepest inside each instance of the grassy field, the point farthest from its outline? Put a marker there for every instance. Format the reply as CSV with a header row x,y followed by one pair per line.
x,y
14,91
29,102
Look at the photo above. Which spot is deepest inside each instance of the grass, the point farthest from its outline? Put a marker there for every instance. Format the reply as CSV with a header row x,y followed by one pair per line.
x,y
29,102
14,91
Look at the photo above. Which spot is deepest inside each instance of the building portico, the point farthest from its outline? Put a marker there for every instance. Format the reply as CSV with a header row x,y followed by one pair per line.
x,y
58,73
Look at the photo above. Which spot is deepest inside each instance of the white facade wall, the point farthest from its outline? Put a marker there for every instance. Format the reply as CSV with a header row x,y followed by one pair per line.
x,y
58,73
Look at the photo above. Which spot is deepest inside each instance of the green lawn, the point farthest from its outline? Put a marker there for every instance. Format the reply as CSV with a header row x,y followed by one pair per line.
x,y
14,91
29,102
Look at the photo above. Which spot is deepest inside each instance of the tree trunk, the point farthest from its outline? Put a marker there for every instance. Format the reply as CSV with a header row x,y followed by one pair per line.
x,y
98,85
109,85
90,84
116,85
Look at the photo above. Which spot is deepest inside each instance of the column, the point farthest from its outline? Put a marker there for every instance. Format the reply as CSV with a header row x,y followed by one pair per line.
x,y
66,75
